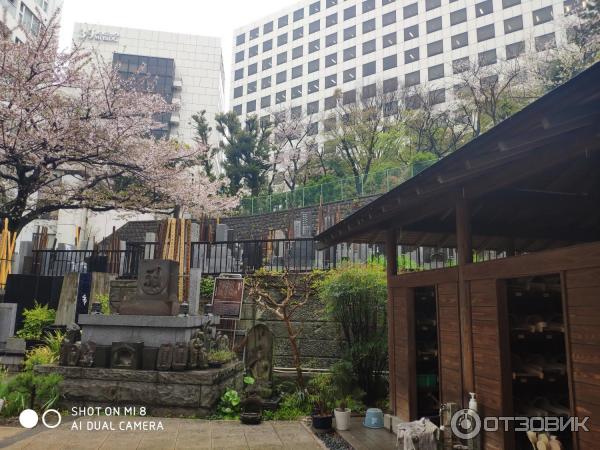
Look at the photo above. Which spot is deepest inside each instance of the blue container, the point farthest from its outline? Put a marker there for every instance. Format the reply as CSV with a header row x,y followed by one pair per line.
x,y
373,418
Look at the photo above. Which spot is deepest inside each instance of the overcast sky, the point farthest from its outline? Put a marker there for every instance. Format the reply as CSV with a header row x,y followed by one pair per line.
x,y
203,17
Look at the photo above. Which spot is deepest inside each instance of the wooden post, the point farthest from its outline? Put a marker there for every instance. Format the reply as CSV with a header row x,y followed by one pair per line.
x,y
391,255
465,256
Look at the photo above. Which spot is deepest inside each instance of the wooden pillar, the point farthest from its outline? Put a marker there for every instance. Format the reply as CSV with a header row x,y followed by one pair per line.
x,y
391,254
465,256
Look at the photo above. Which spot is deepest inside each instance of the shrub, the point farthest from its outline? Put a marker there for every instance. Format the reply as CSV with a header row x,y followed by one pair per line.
x,y
39,356
293,406
27,390
221,356
36,319
356,297
207,285
104,301
229,405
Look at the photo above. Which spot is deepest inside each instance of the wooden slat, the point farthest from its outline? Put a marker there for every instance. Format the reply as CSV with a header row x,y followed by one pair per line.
x,y
449,343
583,278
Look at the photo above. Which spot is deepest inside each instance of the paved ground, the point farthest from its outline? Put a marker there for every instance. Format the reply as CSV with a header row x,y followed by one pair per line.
x,y
362,438
177,434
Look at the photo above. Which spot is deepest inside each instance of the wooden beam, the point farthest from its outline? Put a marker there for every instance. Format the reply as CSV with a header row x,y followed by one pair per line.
x,y
391,252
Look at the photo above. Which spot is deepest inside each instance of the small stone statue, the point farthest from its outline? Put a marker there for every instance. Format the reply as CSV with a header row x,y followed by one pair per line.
x,y
180,356
69,348
87,352
222,342
198,358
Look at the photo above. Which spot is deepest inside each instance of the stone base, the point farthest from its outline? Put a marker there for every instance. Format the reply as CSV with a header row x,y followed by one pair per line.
x,y
153,331
178,394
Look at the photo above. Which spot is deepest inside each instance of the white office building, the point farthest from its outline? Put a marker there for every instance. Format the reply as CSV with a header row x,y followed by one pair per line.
x,y
296,58
29,14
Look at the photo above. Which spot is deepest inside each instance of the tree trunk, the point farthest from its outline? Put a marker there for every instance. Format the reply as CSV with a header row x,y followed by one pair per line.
x,y
295,352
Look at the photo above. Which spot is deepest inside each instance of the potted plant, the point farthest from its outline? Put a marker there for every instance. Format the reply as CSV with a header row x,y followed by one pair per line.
x,y
322,397
342,416
216,358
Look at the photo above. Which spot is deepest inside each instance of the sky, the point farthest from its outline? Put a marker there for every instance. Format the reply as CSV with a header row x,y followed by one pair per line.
x,y
203,17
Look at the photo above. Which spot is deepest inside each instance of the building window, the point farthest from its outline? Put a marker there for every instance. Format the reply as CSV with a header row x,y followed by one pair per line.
x,y
314,8
267,63
254,33
410,10
545,42
369,69
434,24
369,47
487,58
281,58
460,65
268,27
239,56
484,8
390,108
368,26
237,109
435,72
438,96
389,39
350,12
251,89
435,48
268,45
239,40
368,5
296,112
432,4
238,74
411,32
314,46
298,15
542,15
265,102
411,55
265,83
313,129
331,20
387,2
251,106
514,50
298,33
350,33
369,91
458,16
329,124
282,39
313,86
390,85
313,27
349,97
331,40
330,102
331,81
282,21
412,78
297,52
349,75
486,32
388,18
312,107
280,97
513,24
238,92
571,6
349,53
296,92
253,51
389,62
509,3
331,60
252,69
281,77
296,72
313,66
460,40
330,3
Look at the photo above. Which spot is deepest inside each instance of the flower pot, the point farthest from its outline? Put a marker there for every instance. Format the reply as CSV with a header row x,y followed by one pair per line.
x,y
215,364
322,422
342,419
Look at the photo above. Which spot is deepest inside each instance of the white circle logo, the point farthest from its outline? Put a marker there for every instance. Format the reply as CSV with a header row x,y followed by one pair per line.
x,y
57,415
466,424
28,418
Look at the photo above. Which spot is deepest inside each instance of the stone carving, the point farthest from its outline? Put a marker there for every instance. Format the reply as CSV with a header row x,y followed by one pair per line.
x,y
157,290
87,354
164,360
180,356
198,356
222,342
259,358
69,348
125,355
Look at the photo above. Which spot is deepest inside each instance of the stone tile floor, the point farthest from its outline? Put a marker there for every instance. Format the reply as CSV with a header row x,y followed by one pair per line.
x,y
177,434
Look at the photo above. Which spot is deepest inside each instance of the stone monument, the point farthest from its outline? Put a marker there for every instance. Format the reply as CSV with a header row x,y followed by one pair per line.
x,y
259,358
8,317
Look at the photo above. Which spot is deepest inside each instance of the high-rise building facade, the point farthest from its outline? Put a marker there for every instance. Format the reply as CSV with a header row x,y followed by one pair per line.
x,y
297,58
29,14
187,70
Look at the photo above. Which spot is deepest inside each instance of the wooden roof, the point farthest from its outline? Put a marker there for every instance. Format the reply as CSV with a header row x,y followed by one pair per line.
x,y
532,182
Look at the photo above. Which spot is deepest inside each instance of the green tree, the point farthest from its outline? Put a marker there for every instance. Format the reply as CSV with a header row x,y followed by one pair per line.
x,y
247,151
203,130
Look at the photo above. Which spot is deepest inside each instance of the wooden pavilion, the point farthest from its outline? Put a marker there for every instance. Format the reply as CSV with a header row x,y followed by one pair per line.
x,y
522,331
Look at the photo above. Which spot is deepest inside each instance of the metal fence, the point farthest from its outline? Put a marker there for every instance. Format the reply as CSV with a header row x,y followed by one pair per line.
x,y
343,189
242,257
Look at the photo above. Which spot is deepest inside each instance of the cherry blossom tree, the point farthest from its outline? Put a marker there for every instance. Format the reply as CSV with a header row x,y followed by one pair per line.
x,y
75,134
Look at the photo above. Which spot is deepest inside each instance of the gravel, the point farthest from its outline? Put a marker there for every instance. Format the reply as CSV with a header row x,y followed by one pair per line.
x,y
334,441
